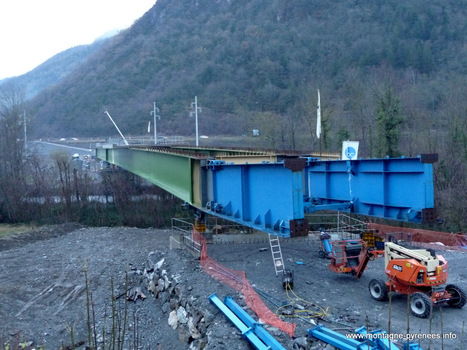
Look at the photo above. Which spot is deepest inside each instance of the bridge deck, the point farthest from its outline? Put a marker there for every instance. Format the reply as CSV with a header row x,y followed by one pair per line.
x,y
272,191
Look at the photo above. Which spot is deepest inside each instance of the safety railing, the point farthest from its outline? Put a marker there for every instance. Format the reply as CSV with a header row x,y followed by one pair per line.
x,y
339,223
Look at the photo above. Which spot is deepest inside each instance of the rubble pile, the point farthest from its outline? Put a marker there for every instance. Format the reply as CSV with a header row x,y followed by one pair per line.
x,y
182,309
186,306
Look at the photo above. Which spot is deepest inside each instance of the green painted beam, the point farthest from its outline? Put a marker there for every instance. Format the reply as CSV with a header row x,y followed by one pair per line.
x,y
171,172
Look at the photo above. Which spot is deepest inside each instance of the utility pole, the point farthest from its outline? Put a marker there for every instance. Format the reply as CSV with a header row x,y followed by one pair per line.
x,y
318,122
25,130
195,110
154,112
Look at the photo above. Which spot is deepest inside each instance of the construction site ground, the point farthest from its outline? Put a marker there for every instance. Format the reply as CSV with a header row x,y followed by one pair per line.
x,y
43,299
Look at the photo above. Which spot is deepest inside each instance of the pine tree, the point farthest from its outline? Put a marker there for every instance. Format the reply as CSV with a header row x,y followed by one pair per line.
x,y
389,119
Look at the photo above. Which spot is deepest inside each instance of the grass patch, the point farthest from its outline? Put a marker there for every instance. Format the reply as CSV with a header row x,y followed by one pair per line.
x,y
9,230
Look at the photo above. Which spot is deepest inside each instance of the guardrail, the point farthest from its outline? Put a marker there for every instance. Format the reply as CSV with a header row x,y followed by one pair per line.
x,y
186,238
182,226
340,223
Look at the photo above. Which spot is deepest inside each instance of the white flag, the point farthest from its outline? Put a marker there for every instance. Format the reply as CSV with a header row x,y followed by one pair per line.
x,y
318,118
149,127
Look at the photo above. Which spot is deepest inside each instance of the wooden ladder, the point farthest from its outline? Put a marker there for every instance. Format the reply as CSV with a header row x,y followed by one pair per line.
x,y
276,254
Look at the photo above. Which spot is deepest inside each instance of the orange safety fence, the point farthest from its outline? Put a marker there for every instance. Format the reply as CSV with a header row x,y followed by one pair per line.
x,y
237,280
423,238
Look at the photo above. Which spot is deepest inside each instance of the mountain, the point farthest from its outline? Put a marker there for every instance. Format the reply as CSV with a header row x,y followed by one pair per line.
x,y
54,69
391,75
259,63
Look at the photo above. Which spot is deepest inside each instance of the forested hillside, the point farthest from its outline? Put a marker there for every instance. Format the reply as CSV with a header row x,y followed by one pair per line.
x,y
391,74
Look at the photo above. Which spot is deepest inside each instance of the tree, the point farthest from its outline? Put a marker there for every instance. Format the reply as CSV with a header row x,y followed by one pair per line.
x,y
40,186
361,108
12,179
293,121
64,166
451,170
342,135
326,130
389,120
269,127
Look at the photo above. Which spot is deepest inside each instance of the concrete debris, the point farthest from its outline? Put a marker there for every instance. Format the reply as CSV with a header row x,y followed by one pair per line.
x,y
181,315
184,336
134,294
160,285
173,319
159,264
300,343
194,332
176,278
152,287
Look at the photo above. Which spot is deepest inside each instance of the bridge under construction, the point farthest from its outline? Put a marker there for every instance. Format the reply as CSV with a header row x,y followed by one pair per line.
x,y
273,191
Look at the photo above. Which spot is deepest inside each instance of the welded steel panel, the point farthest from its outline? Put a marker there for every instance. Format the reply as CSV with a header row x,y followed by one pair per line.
x,y
396,188
274,196
171,172
257,195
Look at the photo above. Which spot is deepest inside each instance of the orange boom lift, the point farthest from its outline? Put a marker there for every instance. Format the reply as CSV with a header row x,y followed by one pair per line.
x,y
419,273
351,256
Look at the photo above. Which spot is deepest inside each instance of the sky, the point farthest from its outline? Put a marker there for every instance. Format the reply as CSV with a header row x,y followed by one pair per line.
x,y
32,31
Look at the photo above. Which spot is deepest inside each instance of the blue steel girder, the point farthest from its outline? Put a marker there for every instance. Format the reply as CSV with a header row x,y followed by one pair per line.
x,y
392,188
258,328
265,196
379,339
338,340
247,331
275,197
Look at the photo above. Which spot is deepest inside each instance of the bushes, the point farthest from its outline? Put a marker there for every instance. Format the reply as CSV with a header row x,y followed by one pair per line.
x,y
142,212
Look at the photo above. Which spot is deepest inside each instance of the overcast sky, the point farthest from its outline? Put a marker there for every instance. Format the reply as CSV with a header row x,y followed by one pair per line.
x,y
32,31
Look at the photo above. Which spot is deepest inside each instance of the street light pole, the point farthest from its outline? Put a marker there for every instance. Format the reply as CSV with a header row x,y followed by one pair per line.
x,y
25,133
154,112
194,105
196,117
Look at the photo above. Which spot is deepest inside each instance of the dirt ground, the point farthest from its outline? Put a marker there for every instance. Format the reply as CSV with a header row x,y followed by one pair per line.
x,y
43,289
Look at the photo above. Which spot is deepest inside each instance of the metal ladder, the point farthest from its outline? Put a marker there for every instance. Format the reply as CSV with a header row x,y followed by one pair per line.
x,y
276,253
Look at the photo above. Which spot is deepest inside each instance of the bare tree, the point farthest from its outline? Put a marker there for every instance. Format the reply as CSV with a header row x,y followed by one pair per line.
x,y
360,105
293,121
308,105
40,186
451,170
11,152
64,166
270,125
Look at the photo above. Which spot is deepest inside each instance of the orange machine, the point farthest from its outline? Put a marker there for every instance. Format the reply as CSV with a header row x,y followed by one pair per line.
x,y
350,257
419,273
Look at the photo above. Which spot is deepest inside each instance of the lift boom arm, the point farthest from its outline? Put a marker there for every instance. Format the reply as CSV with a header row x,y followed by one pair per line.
x,y
425,257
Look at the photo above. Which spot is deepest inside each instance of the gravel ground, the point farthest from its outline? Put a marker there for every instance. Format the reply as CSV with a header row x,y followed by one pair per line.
x,y
43,289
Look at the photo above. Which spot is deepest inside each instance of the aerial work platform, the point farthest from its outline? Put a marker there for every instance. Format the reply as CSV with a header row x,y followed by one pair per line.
x,y
273,191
